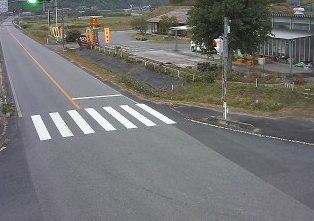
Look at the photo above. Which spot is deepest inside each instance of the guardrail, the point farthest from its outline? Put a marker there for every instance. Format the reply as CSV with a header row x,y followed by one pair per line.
x,y
308,93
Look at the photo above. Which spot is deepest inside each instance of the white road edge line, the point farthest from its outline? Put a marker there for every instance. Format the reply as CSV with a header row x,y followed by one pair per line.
x,y
2,148
100,96
19,112
252,134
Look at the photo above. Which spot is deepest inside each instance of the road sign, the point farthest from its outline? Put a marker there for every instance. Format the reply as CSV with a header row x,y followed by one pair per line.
x,y
89,35
82,41
107,36
94,22
4,6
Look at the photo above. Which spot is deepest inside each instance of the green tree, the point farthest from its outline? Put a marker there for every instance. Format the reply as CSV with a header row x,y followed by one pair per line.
x,y
166,22
250,23
182,2
139,23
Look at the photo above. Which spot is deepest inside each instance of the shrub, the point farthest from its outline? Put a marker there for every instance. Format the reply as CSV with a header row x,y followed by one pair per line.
x,y
141,38
138,86
25,25
72,35
206,67
208,78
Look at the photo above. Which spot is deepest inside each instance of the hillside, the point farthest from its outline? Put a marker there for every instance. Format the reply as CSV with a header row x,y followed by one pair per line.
x,y
112,4
100,4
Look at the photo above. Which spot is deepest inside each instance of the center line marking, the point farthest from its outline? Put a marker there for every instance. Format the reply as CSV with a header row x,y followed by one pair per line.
x,y
100,96
46,73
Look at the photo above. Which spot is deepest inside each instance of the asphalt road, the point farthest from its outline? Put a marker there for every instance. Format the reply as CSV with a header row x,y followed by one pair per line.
x,y
83,150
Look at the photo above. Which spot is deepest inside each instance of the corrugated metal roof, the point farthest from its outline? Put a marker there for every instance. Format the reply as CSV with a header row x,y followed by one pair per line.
x,y
291,34
181,28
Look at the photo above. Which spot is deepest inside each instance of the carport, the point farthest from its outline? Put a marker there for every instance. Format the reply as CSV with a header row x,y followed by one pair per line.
x,y
296,44
176,29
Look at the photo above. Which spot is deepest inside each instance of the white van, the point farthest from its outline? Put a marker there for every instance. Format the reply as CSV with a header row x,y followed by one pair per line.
x,y
194,47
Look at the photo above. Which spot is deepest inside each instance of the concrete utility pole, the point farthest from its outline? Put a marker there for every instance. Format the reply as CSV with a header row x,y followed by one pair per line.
x,y
225,68
56,6
62,27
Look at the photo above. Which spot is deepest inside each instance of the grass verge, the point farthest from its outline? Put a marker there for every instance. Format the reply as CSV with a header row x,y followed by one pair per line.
x,y
275,101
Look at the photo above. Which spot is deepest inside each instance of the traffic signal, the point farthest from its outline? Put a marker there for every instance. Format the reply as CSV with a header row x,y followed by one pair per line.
x,y
107,36
218,45
37,1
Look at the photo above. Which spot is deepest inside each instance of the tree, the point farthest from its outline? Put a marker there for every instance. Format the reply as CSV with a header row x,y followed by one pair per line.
x,y
165,23
139,23
250,23
182,2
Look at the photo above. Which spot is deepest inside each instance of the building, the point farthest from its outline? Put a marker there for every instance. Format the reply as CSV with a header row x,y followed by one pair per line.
x,y
181,15
293,36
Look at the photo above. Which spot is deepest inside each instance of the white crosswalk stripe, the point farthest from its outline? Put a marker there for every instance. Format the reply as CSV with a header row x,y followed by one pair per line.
x,y
79,120
96,117
138,116
102,121
128,124
156,114
40,128
61,125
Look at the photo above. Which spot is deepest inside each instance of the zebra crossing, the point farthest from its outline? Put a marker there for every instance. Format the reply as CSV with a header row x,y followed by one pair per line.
x,y
85,125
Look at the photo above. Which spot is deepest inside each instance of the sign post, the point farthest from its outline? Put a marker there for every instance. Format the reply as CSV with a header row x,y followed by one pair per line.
x,y
4,7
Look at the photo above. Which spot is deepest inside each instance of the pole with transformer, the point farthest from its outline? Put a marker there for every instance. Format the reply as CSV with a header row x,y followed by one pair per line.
x,y
225,67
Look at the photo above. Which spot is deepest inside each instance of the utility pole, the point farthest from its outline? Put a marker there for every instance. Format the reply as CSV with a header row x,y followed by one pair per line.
x,y
225,67
56,6
62,36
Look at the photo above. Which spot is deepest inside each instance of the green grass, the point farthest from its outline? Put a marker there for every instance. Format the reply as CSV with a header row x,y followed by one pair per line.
x,y
165,9
263,99
283,8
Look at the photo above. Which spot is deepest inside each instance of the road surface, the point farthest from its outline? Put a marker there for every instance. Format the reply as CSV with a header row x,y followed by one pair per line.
x,y
84,150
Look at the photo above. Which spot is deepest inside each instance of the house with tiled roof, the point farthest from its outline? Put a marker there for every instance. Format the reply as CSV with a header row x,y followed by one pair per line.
x,y
180,14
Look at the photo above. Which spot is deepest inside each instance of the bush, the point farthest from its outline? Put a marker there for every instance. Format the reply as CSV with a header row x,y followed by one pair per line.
x,y
299,81
25,25
138,86
72,35
8,108
141,39
206,67
208,78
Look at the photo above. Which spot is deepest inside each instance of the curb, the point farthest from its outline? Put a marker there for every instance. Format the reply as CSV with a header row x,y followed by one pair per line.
x,y
236,125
